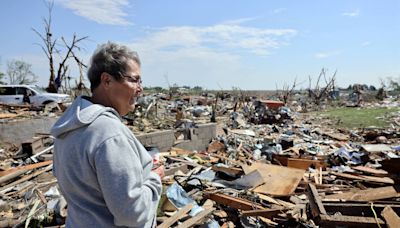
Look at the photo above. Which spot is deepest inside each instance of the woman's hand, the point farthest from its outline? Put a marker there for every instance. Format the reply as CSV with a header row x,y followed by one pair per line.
x,y
160,171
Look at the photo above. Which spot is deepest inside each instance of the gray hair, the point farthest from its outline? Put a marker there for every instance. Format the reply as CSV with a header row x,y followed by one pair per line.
x,y
111,58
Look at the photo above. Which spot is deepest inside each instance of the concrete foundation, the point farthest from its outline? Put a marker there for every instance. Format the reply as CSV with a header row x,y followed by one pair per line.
x,y
198,139
20,131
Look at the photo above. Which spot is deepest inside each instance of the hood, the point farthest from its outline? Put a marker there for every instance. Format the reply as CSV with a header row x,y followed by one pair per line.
x,y
82,112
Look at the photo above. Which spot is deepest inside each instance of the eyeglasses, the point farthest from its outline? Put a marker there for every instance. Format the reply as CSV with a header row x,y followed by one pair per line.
x,y
133,79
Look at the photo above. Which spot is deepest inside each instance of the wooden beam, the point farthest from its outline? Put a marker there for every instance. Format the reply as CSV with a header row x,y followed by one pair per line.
x,y
237,203
268,221
317,208
358,209
178,215
299,163
373,148
25,178
391,218
369,170
275,201
304,163
25,167
353,221
366,195
197,218
385,180
11,176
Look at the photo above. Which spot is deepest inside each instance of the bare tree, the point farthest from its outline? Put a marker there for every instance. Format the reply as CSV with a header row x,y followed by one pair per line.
x,y
79,85
49,48
318,94
20,72
287,92
49,45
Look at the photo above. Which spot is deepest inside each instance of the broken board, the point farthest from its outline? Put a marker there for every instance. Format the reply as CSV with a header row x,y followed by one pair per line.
x,y
279,180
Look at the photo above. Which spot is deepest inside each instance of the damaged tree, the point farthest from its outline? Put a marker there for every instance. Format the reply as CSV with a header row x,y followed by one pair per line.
x,y
319,94
49,48
286,93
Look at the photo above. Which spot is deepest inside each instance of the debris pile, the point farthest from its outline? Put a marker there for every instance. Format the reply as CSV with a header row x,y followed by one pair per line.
x,y
269,166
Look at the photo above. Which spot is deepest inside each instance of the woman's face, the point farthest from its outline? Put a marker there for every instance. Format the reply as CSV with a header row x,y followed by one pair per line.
x,y
125,93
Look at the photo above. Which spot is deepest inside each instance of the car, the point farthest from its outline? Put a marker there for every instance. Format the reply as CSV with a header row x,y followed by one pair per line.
x,y
34,95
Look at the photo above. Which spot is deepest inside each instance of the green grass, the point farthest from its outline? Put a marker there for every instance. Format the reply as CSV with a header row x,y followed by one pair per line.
x,y
360,117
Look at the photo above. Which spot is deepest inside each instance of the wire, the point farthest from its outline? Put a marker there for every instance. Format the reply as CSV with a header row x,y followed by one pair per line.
x,y
376,217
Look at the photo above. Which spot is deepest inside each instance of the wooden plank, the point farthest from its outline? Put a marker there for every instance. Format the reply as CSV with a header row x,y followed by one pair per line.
x,y
279,180
8,115
215,147
369,170
358,209
337,136
11,176
385,180
229,170
317,208
304,163
25,178
275,201
197,218
366,195
353,221
391,218
25,167
299,163
237,203
268,221
178,215
373,148
179,151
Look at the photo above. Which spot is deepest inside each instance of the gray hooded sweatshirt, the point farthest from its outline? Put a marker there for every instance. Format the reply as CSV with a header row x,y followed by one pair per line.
x,y
103,171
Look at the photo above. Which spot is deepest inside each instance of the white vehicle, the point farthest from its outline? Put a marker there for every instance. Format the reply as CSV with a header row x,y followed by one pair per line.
x,y
36,96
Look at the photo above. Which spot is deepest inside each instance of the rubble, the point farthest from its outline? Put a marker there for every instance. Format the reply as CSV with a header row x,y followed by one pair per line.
x,y
269,166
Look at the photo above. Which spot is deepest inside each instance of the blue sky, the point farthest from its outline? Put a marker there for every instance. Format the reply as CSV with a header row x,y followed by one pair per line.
x,y
219,44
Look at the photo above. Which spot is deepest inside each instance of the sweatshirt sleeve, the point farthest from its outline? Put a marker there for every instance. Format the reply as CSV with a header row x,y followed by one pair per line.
x,y
131,191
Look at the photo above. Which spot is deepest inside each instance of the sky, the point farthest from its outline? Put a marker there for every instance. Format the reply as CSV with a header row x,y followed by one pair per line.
x,y
218,44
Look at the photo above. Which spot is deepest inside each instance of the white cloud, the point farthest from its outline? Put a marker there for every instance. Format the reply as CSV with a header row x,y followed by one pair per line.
x,y
213,54
221,37
279,10
101,11
240,21
365,43
323,55
354,13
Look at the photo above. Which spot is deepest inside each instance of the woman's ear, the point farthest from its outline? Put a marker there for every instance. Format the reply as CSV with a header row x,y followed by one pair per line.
x,y
105,79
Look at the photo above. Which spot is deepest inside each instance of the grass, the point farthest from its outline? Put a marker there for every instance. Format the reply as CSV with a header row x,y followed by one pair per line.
x,y
360,117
